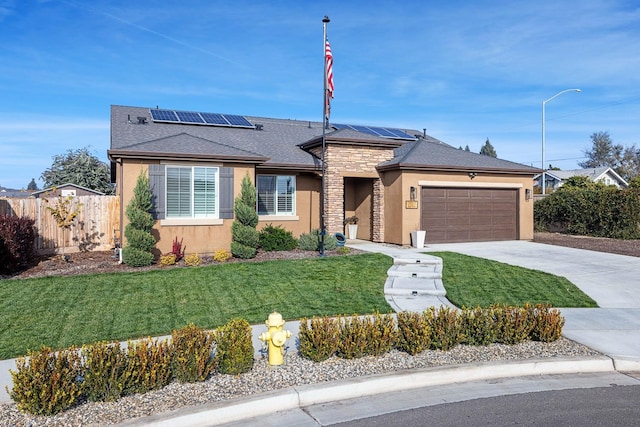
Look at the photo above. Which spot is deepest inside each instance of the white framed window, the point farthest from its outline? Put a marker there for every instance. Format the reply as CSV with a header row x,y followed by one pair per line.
x,y
192,192
276,194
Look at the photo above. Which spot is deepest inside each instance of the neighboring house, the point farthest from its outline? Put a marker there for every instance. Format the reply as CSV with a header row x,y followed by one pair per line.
x,y
67,189
555,179
14,194
394,181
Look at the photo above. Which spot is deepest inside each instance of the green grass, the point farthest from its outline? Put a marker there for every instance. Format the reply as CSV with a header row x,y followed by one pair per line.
x,y
472,281
63,311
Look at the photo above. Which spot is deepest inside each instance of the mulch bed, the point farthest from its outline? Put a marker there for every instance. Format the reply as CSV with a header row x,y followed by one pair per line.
x,y
105,262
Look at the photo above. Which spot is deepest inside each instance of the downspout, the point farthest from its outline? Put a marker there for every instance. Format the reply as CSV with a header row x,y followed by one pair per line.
x,y
121,185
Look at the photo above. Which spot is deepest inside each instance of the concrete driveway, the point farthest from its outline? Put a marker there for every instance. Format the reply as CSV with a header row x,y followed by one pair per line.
x,y
613,281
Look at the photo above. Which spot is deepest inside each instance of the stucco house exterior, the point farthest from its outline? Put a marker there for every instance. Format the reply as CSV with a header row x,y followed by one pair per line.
x,y
395,181
555,179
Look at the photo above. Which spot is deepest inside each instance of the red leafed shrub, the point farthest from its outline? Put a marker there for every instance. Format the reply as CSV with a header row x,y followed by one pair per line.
x,y
17,238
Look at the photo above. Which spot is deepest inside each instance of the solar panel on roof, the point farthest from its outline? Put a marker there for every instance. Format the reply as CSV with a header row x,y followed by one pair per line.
x,y
400,134
214,119
189,117
384,132
164,115
237,120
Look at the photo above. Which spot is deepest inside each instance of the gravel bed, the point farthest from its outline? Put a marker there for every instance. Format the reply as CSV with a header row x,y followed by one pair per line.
x,y
296,371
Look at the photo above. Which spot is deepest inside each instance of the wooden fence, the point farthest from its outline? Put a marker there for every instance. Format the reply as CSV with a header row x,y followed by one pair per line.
x,y
93,229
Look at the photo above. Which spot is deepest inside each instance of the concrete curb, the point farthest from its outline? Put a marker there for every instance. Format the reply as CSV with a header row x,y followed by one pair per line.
x,y
313,394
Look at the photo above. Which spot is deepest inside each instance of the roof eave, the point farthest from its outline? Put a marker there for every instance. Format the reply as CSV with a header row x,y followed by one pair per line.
x,y
128,154
455,168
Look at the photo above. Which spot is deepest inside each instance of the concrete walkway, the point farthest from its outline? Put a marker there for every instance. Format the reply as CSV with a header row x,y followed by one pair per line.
x,y
415,284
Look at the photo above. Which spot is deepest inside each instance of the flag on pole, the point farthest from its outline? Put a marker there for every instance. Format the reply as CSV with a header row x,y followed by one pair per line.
x,y
329,77
329,58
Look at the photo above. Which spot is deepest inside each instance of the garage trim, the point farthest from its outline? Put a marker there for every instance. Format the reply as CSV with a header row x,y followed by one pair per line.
x,y
469,184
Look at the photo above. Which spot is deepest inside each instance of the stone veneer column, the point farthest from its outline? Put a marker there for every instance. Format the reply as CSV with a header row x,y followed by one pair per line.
x,y
378,211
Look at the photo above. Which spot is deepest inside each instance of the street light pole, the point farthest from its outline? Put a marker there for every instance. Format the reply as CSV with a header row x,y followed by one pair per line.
x,y
543,181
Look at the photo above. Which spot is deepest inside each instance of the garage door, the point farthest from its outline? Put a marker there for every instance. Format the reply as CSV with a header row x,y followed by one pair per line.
x,y
469,214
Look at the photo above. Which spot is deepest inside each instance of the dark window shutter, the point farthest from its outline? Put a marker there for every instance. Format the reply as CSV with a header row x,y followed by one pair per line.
x,y
226,193
158,194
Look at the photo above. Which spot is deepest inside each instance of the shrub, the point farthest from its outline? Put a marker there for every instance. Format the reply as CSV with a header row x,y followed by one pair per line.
x,y
444,326
547,323
222,255
318,338
148,366
177,249
234,347
192,354
277,239
140,241
477,326
343,250
381,334
512,324
192,260
243,251
47,382
17,243
136,257
414,333
245,237
311,241
167,260
594,210
104,364
352,342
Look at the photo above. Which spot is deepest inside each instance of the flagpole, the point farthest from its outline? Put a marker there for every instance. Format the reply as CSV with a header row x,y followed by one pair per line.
x,y
325,123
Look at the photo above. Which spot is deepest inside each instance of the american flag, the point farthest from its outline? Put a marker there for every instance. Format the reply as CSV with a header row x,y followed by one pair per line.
x,y
329,58
329,69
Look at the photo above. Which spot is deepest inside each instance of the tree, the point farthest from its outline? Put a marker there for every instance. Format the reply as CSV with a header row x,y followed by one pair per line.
x,y
140,241
604,153
466,148
32,185
244,236
79,167
64,211
488,150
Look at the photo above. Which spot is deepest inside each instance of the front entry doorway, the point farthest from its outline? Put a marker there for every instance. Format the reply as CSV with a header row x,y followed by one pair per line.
x,y
358,202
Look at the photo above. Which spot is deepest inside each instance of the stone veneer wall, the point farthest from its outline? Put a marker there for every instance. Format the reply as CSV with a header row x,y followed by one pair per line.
x,y
352,160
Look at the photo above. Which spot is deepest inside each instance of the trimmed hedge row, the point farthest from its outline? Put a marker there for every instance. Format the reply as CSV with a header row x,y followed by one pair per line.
x,y
436,328
592,211
47,382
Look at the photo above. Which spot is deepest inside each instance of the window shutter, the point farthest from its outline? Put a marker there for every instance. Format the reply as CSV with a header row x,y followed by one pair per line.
x,y
156,184
226,193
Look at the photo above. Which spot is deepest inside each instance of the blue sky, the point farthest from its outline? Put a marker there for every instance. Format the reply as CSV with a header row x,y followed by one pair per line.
x,y
466,71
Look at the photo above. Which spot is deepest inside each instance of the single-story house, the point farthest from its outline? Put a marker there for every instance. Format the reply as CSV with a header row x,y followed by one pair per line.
x,y
395,181
555,179
67,189
14,194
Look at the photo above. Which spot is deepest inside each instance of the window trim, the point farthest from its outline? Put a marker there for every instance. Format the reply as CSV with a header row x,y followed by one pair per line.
x,y
208,219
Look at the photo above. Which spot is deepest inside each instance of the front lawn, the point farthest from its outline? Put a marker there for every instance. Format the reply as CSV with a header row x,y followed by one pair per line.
x,y
62,311
472,281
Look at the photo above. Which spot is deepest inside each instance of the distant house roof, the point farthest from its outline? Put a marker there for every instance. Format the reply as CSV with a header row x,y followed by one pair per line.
x,y
12,193
284,143
67,186
594,174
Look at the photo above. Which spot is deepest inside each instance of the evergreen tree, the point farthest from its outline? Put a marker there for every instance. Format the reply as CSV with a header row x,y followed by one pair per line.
x,y
466,148
32,185
488,150
79,167
245,237
140,241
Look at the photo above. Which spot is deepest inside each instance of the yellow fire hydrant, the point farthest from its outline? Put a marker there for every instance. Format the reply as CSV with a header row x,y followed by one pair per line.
x,y
276,336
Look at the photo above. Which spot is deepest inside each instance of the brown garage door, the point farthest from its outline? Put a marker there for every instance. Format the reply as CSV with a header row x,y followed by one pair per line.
x,y
469,214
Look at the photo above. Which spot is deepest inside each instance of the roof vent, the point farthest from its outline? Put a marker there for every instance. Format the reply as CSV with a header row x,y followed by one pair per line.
x,y
259,126
142,120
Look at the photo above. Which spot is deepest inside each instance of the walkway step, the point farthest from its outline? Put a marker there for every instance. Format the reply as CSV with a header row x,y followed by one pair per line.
x,y
414,286
421,271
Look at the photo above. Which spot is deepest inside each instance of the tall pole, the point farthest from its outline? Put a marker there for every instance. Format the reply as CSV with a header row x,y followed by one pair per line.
x,y
543,181
325,123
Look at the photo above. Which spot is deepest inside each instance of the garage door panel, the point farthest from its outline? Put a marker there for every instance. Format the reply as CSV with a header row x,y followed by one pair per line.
x,y
469,214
